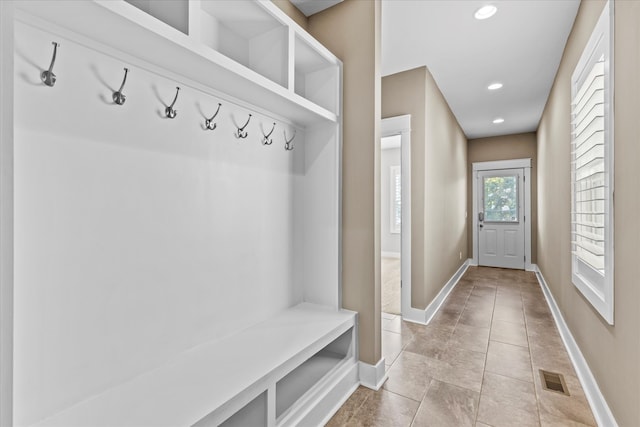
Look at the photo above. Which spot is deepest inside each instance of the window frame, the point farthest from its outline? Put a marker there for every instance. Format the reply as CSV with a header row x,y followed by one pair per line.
x,y
500,174
597,288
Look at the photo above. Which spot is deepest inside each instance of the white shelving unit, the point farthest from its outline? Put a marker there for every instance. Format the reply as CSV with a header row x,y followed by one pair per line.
x,y
165,274
232,382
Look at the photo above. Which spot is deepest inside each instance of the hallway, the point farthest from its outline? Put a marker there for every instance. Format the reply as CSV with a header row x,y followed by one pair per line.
x,y
476,364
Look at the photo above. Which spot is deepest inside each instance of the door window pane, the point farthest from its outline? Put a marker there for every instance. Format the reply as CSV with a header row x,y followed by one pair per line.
x,y
501,198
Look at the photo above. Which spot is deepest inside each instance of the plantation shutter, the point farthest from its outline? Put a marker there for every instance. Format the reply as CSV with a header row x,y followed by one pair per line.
x,y
592,171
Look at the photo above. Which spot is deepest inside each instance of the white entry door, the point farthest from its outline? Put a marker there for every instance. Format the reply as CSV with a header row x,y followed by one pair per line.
x,y
501,239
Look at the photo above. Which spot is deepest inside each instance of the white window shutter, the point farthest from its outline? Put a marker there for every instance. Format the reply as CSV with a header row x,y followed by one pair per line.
x,y
592,169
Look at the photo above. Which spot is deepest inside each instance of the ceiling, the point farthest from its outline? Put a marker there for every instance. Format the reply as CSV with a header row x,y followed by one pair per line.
x,y
309,7
520,46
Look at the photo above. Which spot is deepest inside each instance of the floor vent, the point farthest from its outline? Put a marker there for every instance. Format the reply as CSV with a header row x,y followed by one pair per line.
x,y
553,382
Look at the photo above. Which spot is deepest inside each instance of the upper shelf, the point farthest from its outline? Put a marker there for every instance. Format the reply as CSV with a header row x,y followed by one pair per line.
x,y
245,49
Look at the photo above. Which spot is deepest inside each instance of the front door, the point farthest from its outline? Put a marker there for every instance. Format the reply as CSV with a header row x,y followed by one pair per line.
x,y
501,218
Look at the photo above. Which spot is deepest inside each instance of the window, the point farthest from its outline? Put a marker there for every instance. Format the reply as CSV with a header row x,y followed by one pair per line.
x,y
396,199
592,170
500,198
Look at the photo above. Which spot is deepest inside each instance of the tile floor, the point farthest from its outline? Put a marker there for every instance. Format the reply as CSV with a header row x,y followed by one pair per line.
x,y
390,284
476,363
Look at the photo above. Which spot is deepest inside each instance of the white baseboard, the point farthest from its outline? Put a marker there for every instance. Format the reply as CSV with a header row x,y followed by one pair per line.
x,y
601,411
372,376
424,316
390,255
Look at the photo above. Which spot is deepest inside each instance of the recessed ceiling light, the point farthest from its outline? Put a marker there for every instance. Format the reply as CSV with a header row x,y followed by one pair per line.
x,y
494,86
498,120
486,11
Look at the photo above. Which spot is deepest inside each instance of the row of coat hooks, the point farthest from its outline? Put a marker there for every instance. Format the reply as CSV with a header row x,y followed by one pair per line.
x,y
49,79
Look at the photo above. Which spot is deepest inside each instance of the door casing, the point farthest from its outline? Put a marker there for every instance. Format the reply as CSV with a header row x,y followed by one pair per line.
x,y
401,125
496,165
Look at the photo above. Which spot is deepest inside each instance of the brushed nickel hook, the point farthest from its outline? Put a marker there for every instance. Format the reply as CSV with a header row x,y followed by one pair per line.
x,y
288,143
47,76
118,97
209,122
241,133
266,140
169,111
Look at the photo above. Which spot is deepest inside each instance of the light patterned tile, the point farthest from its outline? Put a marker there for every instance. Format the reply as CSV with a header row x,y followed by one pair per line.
x,y
506,401
509,360
409,376
391,346
447,405
385,409
350,407
509,333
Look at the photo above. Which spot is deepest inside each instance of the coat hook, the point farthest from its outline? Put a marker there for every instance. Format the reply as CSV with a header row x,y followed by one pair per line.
x,y
288,143
118,97
169,111
47,76
241,133
266,140
209,122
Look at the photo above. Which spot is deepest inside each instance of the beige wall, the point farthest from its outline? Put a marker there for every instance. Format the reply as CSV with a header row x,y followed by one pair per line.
x,y
445,204
438,180
507,147
404,93
351,30
612,352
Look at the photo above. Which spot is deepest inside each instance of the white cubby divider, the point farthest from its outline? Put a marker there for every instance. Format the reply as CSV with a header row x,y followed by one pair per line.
x,y
167,273
257,36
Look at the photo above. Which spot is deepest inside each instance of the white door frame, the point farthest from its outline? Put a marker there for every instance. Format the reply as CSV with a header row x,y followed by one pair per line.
x,y
401,125
504,164
6,212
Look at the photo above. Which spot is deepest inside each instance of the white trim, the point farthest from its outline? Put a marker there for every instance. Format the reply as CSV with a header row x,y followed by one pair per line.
x,y
424,316
528,219
325,402
524,164
372,376
437,302
6,212
337,406
390,255
502,164
394,171
601,411
393,126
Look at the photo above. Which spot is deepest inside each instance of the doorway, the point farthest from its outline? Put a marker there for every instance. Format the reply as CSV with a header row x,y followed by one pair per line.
x,y
395,215
501,207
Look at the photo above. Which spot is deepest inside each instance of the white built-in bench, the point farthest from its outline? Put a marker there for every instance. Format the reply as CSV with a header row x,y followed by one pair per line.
x,y
299,365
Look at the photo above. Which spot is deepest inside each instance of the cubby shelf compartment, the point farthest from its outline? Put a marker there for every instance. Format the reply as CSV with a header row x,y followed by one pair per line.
x,y
168,48
316,76
174,13
298,382
221,380
245,32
